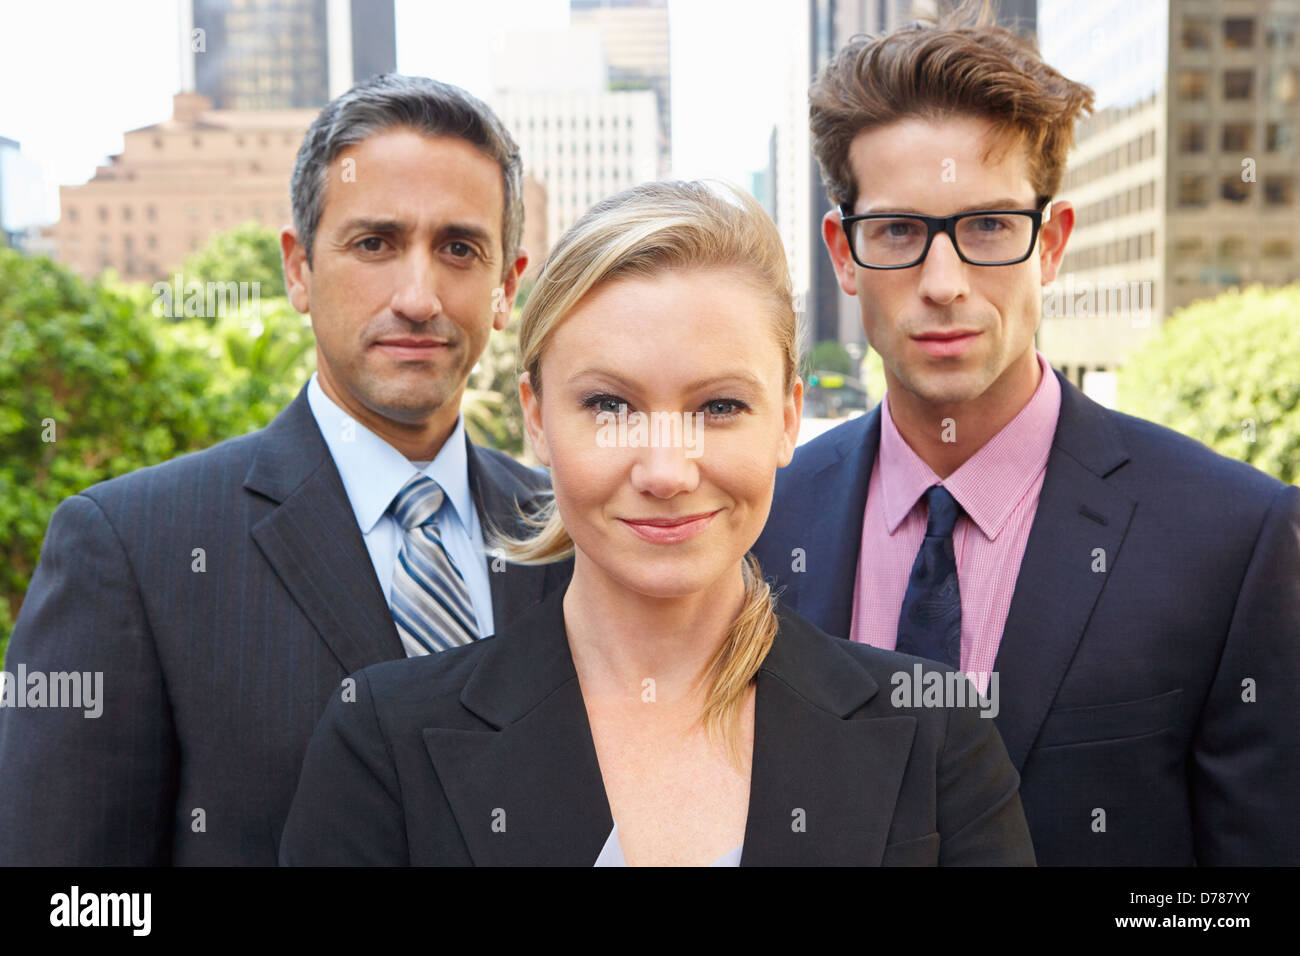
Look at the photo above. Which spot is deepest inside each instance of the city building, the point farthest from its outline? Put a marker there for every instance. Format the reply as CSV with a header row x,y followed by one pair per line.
x,y
578,139
283,54
175,183
634,34
1184,179
21,186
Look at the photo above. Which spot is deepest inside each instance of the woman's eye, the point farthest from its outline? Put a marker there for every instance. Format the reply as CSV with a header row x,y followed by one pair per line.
x,y
723,407
605,403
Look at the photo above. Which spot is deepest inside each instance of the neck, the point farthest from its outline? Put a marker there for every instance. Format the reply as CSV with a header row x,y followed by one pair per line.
x,y
619,638
946,435
418,441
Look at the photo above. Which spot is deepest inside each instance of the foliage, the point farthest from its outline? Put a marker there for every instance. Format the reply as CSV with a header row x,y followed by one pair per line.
x,y
250,253
829,356
493,415
1226,371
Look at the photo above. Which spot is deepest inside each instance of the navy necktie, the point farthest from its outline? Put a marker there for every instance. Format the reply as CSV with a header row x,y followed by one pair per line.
x,y
930,623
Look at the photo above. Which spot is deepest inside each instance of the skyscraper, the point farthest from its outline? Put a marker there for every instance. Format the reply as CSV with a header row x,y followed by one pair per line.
x,y
635,37
1184,180
283,54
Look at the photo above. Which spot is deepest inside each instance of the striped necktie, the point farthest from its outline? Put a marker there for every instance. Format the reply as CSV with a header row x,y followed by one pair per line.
x,y
430,602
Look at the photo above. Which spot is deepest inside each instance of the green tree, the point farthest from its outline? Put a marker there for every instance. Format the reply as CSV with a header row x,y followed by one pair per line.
x,y
829,356
1226,371
250,252
88,391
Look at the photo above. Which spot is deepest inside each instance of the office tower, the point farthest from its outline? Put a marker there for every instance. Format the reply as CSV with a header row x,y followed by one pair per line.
x,y
1184,180
635,37
283,54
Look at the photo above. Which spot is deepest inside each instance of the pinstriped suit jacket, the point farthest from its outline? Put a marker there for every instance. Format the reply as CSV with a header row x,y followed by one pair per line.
x,y
212,679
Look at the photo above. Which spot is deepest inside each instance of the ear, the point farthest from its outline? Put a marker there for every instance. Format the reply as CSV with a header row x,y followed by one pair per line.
x,y
297,271
1053,236
790,428
510,288
532,405
837,244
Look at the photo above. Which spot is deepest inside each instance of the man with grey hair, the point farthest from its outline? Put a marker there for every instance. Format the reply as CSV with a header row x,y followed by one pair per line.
x,y
227,594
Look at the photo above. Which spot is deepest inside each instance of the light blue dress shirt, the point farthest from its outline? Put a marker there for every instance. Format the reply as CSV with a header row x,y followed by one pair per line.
x,y
373,472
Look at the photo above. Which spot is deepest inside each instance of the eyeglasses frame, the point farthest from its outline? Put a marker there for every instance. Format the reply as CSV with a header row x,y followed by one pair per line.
x,y
948,226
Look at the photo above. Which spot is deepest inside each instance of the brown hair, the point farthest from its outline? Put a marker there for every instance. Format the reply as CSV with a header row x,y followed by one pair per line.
x,y
957,64
642,232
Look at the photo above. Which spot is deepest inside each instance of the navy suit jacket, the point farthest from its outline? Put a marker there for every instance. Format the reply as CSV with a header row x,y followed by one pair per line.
x,y
212,679
484,755
1153,708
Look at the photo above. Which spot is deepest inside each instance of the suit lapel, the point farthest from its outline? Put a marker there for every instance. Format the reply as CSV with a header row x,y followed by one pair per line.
x,y
312,541
1057,588
823,787
814,511
529,791
495,489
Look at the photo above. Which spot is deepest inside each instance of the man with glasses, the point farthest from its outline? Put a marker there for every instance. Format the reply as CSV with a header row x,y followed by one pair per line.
x,y
1127,600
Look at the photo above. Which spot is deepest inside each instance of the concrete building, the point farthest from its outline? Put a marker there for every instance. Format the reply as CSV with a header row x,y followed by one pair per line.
x,y
283,54
1184,181
177,182
634,34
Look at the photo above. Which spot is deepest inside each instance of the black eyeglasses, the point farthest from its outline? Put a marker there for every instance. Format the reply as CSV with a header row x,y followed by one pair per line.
x,y
986,237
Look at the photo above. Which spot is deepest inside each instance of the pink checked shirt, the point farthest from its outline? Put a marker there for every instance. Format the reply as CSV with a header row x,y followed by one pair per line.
x,y
997,488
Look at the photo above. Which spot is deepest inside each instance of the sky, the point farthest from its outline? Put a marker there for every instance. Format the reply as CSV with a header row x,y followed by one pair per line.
x,y
76,74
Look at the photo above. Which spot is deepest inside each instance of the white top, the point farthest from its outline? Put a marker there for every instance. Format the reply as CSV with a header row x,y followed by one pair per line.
x,y
611,853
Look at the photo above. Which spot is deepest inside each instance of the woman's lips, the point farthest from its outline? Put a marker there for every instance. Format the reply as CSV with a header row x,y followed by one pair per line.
x,y
946,347
669,530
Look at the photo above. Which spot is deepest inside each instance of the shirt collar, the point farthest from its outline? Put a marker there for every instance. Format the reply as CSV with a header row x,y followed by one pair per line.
x,y
990,483
373,471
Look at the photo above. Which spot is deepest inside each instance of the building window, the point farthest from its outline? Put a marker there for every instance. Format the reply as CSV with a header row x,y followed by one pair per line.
x,y
1284,85
152,241
1237,137
1191,138
1193,84
1238,33
1280,137
1232,247
1281,32
1279,191
1191,247
1193,190
72,214
1275,249
1238,84
239,141
157,142
103,214
1232,189
126,213
150,213
1196,33
197,141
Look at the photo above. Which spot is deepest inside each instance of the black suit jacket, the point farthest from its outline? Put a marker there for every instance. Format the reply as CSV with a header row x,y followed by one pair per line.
x,y
1122,691
484,755
212,680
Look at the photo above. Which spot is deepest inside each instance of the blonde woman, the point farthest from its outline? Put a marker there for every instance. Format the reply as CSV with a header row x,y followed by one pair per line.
x,y
664,709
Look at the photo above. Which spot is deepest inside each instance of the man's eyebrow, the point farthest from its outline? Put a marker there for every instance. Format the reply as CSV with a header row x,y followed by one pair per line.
x,y
383,225
742,377
974,207
386,226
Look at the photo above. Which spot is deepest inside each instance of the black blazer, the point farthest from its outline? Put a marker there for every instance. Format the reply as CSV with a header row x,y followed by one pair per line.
x,y
483,755
1121,690
213,680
